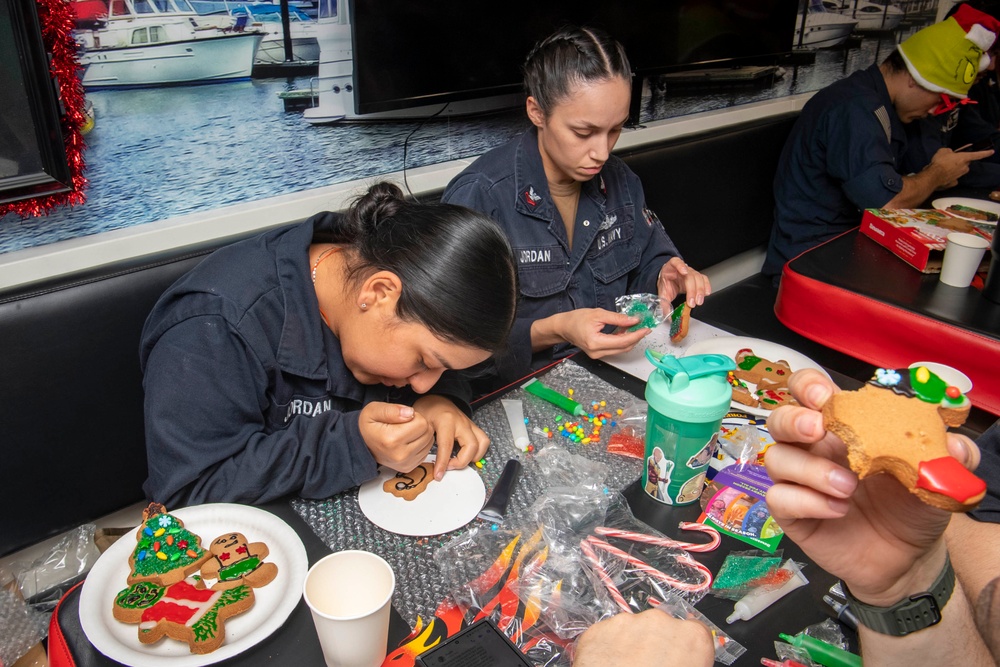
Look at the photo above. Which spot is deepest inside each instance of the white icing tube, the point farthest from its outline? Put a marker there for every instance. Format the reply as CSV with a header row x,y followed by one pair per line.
x,y
515,417
757,601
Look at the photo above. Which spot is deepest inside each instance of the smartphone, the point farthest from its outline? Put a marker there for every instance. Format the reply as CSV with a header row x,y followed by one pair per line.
x,y
482,644
986,144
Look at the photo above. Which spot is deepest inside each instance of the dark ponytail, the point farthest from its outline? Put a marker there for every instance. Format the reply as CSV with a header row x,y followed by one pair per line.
x,y
456,265
570,56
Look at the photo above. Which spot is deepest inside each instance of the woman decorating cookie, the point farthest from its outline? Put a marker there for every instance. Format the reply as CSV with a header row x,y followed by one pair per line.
x,y
301,359
575,214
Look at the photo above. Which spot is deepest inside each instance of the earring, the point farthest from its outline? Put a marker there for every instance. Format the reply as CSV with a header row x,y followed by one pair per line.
x,y
363,306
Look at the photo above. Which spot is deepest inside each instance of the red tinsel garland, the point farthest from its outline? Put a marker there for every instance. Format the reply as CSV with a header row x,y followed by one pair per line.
x,y
57,18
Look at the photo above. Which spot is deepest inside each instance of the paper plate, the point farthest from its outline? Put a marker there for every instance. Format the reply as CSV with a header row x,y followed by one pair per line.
x,y
273,603
442,507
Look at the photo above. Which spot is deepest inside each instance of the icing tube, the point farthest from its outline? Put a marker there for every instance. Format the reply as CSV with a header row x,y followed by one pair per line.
x,y
536,388
757,601
515,417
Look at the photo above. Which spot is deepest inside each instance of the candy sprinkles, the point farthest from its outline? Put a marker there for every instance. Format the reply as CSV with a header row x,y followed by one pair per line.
x,y
577,431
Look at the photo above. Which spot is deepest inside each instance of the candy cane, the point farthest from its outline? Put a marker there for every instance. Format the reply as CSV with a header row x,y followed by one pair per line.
x,y
653,572
602,574
666,541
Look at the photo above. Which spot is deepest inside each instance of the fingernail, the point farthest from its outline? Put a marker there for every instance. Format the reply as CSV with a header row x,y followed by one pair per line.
x,y
838,505
818,394
809,424
405,411
842,481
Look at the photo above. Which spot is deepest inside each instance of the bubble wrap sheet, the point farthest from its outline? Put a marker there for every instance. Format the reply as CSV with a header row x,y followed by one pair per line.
x,y
340,523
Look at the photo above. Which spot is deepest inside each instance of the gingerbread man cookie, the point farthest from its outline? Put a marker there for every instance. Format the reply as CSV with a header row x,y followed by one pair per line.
x,y
764,373
897,424
185,611
409,485
235,561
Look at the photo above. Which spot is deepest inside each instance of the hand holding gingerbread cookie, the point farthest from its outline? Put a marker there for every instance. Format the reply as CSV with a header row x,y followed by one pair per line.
x,y
870,530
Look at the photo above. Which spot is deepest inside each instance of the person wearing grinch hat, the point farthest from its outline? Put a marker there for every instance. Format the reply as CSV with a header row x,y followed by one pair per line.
x,y
845,152
963,125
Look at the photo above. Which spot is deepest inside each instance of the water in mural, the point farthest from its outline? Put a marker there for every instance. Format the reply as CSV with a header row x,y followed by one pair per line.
x,y
162,152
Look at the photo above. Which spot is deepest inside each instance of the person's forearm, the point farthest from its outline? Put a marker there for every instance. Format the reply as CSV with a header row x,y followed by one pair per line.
x,y
917,188
974,546
952,641
545,333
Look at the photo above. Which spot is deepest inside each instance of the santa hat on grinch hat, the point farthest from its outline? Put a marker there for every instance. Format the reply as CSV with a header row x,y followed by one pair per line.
x,y
947,56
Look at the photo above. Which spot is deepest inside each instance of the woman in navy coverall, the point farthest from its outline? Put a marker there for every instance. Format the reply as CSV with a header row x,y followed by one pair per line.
x,y
299,360
575,214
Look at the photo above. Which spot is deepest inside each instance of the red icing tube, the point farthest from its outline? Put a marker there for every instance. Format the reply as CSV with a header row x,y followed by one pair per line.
x,y
949,478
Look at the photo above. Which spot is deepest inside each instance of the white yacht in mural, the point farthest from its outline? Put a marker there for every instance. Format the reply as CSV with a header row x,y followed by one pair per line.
x,y
871,17
301,28
158,42
823,28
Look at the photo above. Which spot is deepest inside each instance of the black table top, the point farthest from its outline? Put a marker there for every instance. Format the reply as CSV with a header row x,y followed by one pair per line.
x,y
856,263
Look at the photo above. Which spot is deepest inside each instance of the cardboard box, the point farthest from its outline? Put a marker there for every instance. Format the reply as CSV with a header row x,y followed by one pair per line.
x,y
918,236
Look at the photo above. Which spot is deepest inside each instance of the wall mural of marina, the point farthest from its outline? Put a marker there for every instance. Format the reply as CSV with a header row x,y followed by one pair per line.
x,y
164,144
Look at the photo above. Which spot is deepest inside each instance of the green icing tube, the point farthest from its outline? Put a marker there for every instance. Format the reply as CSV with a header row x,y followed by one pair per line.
x,y
822,653
536,388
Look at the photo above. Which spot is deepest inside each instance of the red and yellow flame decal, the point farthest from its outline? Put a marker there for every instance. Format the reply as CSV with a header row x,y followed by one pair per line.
x,y
496,587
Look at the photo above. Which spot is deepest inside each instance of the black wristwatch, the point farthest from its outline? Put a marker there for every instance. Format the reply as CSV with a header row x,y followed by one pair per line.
x,y
910,614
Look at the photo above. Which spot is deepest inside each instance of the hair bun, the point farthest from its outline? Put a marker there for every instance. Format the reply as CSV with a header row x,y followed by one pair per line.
x,y
383,200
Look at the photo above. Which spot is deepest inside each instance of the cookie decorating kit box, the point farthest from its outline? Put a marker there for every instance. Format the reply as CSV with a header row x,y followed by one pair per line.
x,y
917,236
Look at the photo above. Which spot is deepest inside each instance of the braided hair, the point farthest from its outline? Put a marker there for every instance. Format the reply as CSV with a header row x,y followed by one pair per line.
x,y
570,56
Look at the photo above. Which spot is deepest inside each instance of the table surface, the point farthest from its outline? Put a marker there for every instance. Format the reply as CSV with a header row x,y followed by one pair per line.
x,y
855,296
296,642
857,263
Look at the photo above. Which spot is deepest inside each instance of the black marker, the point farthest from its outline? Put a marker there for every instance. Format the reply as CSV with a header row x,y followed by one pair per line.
x,y
843,613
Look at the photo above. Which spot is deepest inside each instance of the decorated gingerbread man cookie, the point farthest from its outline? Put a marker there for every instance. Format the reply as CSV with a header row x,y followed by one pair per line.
x,y
236,561
764,373
897,424
184,610
409,485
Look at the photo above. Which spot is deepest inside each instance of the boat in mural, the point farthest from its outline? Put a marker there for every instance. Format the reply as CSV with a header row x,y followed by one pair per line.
x,y
267,18
131,43
871,16
823,28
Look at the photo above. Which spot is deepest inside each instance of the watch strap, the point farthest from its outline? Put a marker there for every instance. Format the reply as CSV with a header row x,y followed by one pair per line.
x,y
910,614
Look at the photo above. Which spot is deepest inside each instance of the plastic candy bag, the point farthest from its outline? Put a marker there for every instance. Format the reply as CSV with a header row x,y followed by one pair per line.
x,y
647,307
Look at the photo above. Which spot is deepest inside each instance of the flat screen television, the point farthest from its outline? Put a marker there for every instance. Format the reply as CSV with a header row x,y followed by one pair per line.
x,y
410,53
32,148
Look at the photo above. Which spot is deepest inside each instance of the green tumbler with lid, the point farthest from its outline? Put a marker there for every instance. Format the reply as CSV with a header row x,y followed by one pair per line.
x,y
687,398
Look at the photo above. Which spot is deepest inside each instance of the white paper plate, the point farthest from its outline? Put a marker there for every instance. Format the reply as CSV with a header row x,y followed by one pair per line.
x,y
274,602
443,506
942,204
731,345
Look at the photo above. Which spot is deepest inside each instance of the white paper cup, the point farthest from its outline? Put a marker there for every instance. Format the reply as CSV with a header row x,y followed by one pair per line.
x,y
962,256
349,594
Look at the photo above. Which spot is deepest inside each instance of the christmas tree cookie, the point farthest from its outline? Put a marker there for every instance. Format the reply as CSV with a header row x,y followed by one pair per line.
x,y
165,551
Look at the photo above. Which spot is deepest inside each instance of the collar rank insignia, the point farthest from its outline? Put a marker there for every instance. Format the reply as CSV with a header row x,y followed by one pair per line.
x,y
532,197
